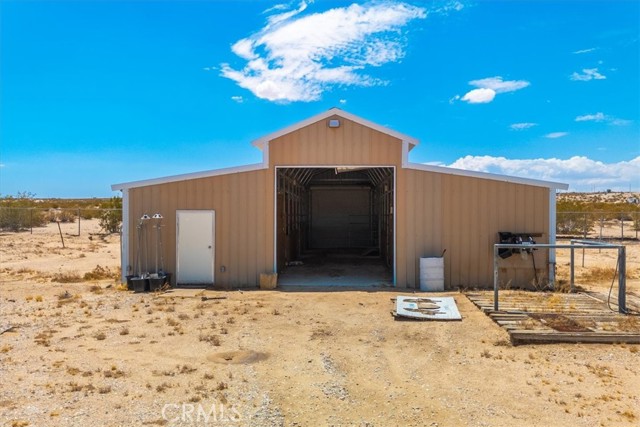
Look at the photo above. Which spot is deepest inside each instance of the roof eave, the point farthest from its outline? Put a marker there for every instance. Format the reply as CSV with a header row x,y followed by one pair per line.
x,y
187,176
487,175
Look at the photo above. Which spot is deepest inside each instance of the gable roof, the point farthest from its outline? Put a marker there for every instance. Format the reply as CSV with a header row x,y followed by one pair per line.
x,y
411,142
262,141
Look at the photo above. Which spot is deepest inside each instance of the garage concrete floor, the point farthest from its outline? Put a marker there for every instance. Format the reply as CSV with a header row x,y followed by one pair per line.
x,y
339,269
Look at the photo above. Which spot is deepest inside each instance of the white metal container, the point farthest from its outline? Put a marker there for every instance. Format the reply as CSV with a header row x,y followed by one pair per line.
x,y
432,274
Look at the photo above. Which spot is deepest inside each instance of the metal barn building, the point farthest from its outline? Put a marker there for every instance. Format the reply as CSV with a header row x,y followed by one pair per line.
x,y
337,186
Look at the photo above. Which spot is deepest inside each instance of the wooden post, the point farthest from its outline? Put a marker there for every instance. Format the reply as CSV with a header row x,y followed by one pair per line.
x,y
78,222
60,230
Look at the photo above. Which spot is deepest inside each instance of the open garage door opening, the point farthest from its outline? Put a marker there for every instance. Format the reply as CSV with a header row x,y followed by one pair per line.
x,y
335,226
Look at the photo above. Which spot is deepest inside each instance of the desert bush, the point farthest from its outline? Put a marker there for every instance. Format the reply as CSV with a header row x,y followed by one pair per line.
x,y
60,215
100,272
111,217
66,277
574,223
16,215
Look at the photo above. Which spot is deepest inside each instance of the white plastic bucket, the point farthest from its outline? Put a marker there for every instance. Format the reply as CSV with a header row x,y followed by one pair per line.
x,y
432,274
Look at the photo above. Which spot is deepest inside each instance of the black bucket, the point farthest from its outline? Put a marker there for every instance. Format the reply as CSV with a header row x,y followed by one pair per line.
x,y
155,283
129,283
140,284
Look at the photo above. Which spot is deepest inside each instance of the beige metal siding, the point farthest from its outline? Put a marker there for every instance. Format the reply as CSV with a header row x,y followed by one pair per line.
x,y
349,144
464,215
244,221
433,211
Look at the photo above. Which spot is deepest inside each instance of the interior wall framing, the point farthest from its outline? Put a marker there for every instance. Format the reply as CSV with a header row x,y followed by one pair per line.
x,y
294,214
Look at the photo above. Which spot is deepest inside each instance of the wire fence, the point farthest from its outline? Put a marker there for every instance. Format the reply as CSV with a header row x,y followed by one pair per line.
x,y
26,219
598,225
586,225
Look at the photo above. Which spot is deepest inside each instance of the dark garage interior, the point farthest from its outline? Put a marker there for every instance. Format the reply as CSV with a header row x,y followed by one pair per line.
x,y
335,226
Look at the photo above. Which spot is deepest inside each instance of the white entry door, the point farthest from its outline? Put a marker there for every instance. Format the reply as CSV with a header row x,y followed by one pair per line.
x,y
195,231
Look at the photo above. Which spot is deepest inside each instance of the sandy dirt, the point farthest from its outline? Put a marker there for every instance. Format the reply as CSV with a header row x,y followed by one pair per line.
x,y
88,354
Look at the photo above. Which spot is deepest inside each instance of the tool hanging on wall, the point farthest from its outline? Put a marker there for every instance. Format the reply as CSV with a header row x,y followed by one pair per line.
x,y
158,224
143,250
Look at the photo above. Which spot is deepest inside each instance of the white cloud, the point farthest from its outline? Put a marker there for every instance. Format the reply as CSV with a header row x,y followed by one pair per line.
x,y
522,126
488,88
554,135
597,117
620,122
587,74
276,7
238,99
578,52
342,101
498,85
446,7
581,173
479,96
601,117
296,57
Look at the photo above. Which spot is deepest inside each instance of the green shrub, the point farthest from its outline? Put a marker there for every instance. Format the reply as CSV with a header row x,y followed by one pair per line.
x,y
16,215
111,217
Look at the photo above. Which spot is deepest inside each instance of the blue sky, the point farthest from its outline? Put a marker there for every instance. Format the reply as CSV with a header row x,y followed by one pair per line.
x,y
99,92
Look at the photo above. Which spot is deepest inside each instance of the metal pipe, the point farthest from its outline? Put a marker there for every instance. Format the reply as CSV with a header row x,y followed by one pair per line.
x,y
572,279
622,280
495,277
580,245
575,244
552,237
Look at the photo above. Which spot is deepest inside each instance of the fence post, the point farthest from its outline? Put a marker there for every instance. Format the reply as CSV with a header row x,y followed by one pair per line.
x,y
572,276
31,220
60,230
78,222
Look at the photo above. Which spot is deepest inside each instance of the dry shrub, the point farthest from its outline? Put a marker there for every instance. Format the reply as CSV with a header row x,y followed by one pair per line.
x,y
114,372
629,324
211,339
99,273
600,371
100,336
486,353
66,277
186,369
162,387
598,274
43,338
172,322
321,333
60,215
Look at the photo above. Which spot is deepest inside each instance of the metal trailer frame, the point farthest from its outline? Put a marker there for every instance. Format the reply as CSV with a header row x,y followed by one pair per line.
x,y
575,244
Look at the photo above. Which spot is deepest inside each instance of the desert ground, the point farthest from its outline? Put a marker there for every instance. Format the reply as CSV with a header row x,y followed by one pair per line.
x,y
78,350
